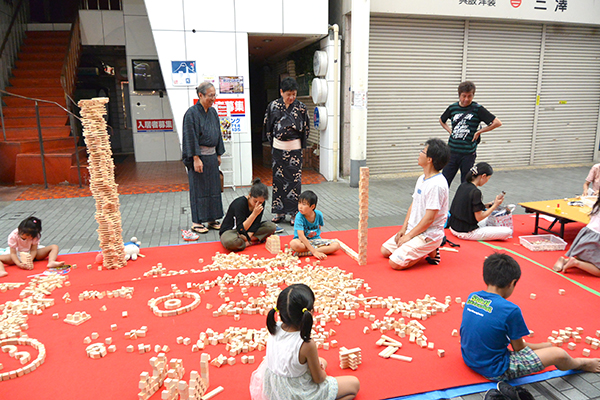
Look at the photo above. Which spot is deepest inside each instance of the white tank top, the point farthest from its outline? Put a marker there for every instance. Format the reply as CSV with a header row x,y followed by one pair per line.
x,y
282,353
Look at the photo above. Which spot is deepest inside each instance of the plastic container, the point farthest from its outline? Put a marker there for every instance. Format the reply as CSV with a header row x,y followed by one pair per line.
x,y
542,242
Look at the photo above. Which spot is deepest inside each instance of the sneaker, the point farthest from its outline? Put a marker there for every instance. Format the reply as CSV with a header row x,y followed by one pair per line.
x,y
508,391
278,229
493,394
189,235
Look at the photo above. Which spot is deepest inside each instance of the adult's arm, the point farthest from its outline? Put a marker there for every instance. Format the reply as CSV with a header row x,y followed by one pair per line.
x,y
480,215
421,227
495,124
268,123
445,126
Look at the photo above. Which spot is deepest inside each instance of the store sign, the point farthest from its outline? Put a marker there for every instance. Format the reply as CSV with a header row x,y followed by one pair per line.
x,y
233,107
152,125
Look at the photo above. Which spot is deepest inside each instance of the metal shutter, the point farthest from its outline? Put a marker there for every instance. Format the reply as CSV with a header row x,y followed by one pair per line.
x,y
414,69
315,134
503,62
566,133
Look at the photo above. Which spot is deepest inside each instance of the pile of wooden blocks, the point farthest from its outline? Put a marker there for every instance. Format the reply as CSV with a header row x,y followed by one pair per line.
x,y
350,358
102,181
26,259
10,286
273,244
363,215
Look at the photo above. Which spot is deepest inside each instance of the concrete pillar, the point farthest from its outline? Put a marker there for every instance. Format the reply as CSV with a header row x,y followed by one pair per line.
x,y
359,86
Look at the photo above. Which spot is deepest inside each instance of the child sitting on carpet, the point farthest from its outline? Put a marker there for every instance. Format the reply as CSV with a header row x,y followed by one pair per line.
x,y
26,239
490,323
585,251
468,214
242,224
307,229
292,368
423,230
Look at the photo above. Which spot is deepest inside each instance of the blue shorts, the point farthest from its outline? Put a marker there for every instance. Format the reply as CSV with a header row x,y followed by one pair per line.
x,y
523,362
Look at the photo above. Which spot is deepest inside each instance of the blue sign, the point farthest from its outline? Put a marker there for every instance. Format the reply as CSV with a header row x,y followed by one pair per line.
x,y
184,73
316,118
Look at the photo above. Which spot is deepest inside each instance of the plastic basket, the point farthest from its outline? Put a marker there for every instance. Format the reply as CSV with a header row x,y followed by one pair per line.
x,y
542,242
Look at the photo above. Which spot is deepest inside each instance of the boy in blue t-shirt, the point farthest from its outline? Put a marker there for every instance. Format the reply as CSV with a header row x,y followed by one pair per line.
x,y
490,323
307,229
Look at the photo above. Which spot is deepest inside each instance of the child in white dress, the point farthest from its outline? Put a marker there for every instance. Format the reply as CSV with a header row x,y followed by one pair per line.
x,y
292,369
26,239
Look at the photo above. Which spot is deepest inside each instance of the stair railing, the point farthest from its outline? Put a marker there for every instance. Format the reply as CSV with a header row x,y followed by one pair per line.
x,y
13,37
39,127
68,80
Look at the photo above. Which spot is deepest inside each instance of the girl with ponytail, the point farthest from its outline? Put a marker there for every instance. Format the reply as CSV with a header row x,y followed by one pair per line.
x,y
468,214
292,369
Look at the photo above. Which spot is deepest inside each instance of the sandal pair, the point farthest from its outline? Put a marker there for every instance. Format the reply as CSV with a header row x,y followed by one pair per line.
x,y
199,229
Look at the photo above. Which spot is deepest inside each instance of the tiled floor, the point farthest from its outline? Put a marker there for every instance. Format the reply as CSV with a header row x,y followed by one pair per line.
x,y
148,177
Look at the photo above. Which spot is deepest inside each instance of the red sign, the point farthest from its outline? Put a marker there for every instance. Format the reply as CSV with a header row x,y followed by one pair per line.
x,y
236,107
150,125
515,3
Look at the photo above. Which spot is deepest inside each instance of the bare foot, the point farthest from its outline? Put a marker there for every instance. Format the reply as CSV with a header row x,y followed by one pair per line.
x,y
558,266
591,365
572,262
3,274
55,264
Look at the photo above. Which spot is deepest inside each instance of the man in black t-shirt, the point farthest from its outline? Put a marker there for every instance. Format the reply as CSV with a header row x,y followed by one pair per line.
x,y
466,116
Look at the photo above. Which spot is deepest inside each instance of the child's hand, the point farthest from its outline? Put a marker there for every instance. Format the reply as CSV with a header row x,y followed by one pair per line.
x,y
24,266
319,255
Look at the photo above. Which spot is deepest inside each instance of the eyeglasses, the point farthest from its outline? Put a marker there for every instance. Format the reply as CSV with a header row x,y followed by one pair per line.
x,y
211,96
424,152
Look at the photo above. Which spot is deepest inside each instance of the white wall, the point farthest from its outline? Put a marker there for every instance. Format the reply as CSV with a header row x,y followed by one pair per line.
x,y
577,12
215,35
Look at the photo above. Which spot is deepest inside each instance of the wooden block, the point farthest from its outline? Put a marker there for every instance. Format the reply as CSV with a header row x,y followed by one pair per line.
x,y
561,292
113,327
124,314
441,353
532,296
586,352
571,346
454,332
401,358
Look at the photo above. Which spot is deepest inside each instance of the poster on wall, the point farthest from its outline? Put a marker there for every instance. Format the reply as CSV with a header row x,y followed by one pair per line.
x,y
184,73
231,84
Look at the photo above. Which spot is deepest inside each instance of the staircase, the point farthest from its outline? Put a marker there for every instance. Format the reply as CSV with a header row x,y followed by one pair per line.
x,y
37,75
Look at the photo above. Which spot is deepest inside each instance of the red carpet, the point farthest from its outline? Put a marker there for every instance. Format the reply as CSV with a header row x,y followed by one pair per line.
x,y
69,374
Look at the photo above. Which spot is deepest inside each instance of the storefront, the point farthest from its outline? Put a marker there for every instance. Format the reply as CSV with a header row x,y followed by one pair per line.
x,y
535,64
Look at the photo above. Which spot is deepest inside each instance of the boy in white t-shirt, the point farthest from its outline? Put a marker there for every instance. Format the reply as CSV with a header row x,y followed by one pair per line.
x,y
423,230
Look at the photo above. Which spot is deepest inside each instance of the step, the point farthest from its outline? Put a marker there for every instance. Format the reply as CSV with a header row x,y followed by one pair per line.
x,y
33,146
38,81
44,56
39,65
38,93
46,37
13,134
24,73
31,122
44,48
57,97
58,163
12,112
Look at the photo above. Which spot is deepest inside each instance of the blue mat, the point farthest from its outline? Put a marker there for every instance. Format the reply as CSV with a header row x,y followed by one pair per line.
x,y
482,387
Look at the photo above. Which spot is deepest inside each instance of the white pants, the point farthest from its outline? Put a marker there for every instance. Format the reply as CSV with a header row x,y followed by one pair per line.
x,y
415,249
485,233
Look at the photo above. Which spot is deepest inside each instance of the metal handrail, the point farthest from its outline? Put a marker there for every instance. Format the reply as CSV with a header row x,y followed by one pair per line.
x,y
39,127
68,78
9,30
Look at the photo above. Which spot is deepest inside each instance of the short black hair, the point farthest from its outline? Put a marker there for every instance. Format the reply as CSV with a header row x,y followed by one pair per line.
x,y
465,87
309,196
500,270
288,84
259,189
439,152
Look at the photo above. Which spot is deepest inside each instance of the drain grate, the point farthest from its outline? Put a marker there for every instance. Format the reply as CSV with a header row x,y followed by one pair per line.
x,y
17,215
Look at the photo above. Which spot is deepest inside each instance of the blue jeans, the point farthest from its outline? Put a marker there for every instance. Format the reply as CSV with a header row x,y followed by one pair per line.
x,y
462,161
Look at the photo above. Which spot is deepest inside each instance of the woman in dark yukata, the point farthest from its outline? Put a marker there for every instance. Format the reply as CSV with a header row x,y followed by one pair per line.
x,y
201,153
287,127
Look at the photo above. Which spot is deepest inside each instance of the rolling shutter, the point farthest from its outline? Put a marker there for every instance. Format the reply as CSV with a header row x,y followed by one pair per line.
x,y
570,96
503,62
414,68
